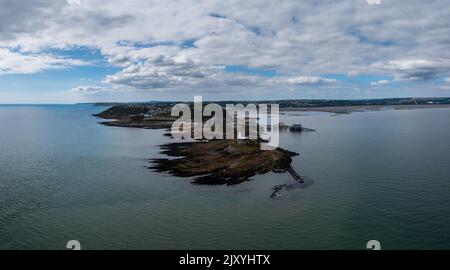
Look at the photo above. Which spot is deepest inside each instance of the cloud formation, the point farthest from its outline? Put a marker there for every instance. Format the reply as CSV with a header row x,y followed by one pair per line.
x,y
422,69
89,90
309,80
13,62
188,44
379,83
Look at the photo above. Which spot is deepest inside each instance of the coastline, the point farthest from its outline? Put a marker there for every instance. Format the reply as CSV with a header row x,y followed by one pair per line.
x,y
191,156
218,162
365,108
206,162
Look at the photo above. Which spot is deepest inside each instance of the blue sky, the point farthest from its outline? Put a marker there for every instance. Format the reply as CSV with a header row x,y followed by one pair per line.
x,y
82,51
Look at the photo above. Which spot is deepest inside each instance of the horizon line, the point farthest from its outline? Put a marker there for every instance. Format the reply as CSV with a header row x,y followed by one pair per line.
x,y
256,100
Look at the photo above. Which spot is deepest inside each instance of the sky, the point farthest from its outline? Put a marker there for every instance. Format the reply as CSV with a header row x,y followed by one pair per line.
x,y
68,51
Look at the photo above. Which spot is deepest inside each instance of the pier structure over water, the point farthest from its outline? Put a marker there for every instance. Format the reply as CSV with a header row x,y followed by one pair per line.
x,y
294,127
294,174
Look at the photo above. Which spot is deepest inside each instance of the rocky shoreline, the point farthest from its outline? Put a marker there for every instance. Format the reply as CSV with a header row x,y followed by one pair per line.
x,y
149,116
213,162
220,162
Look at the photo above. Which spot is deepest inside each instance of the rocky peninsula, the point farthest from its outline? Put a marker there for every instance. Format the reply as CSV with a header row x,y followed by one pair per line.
x,y
207,162
220,162
149,116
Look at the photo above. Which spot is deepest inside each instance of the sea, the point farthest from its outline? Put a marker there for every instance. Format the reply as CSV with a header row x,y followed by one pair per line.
x,y
372,175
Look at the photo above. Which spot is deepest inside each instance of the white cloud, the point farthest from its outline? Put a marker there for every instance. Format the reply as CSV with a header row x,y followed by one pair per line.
x,y
12,62
446,84
309,80
87,90
74,2
168,72
418,69
302,40
161,72
374,2
379,83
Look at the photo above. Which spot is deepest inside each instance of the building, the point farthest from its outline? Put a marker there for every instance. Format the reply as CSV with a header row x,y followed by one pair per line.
x,y
296,127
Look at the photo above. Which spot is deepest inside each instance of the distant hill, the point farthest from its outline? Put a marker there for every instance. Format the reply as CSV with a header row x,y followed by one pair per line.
x,y
300,103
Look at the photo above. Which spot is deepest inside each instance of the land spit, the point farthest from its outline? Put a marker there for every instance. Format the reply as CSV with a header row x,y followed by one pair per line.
x,y
208,162
220,162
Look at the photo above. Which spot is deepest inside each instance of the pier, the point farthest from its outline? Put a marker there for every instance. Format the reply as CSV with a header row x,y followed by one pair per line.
x,y
294,174
294,127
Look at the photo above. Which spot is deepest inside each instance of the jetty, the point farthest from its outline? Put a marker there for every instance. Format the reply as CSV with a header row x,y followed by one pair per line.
x,y
294,174
294,127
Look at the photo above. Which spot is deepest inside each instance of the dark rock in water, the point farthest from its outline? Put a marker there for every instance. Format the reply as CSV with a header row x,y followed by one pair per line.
x,y
278,189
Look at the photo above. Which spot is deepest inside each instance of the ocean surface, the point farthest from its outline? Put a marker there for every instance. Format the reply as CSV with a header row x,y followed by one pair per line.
x,y
373,175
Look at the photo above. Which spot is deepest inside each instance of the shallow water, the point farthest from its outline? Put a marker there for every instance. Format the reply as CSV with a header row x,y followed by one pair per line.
x,y
375,175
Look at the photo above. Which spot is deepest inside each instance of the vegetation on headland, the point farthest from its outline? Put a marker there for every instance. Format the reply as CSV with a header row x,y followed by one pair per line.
x,y
219,162
151,116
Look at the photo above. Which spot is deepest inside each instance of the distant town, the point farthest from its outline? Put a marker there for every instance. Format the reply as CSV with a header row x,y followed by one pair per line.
x,y
300,103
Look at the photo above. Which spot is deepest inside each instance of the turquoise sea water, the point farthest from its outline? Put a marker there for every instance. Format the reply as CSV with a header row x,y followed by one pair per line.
x,y
375,175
